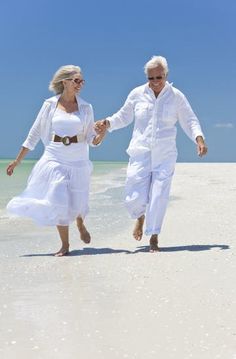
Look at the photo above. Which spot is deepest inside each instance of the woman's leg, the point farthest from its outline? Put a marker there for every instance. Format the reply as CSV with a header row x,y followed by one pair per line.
x,y
84,234
64,236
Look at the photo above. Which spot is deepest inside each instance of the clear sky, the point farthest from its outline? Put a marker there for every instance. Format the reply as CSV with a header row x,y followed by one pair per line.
x,y
111,41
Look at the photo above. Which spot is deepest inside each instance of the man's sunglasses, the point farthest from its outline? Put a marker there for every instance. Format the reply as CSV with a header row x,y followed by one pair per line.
x,y
155,78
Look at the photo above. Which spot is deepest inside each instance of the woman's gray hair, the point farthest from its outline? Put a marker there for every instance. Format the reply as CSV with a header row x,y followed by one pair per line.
x,y
155,62
64,72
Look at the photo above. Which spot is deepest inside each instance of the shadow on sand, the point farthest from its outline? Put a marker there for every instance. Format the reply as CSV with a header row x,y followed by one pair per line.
x,y
90,251
190,248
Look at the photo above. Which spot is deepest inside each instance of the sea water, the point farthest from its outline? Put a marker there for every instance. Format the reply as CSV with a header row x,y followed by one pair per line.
x,y
107,214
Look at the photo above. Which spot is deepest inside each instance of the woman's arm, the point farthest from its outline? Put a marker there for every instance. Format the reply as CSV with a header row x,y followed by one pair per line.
x,y
30,142
35,132
94,136
22,153
100,136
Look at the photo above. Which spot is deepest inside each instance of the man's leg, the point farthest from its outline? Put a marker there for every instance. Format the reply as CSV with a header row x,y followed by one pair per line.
x,y
158,201
154,243
137,189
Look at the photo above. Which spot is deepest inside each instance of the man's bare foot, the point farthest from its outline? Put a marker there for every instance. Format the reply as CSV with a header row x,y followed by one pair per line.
x,y
154,244
62,252
138,228
84,234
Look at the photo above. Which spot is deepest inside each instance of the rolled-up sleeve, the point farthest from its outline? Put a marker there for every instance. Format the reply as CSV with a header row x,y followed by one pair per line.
x,y
188,120
123,117
34,134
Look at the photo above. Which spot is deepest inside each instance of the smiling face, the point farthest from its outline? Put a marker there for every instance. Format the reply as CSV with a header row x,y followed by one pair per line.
x,y
156,79
73,84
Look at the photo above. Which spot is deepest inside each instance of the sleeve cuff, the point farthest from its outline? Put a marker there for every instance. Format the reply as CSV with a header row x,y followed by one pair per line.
x,y
111,121
27,145
198,134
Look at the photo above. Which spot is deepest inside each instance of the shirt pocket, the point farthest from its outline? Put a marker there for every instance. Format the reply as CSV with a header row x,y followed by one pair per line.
x,y
142,111
169,114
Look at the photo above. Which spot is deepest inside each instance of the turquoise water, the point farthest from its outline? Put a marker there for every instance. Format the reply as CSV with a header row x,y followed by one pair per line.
x,y
103,174
107,213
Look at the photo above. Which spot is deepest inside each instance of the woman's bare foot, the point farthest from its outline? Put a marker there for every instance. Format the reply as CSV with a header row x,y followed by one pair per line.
x,y
64,235
138,228
62,252
154,244
84,234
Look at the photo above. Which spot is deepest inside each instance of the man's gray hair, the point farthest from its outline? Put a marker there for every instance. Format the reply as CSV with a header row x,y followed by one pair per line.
x,y
155,62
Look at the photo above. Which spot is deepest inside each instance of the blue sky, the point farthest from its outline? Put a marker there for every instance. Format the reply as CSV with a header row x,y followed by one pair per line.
x,y
111,41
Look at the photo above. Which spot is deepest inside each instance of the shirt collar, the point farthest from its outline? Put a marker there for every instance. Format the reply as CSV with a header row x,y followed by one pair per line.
x,y
80,101
167,87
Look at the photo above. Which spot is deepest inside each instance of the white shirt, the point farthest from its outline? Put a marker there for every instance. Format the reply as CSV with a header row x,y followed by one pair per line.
x,y
155,118
68,124
42,126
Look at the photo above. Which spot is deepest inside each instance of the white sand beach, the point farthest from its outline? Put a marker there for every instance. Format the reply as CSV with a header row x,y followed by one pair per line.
x,y
113,299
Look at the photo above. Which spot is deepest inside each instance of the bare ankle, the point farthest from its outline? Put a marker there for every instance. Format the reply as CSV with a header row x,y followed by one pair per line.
x,y
80,223
138,228
141,219
154,243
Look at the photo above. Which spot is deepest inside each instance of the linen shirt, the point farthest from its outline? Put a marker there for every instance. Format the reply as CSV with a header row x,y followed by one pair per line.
x,y
42,126
155,118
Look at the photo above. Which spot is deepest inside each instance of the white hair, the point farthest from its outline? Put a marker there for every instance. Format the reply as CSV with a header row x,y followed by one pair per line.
x,y
64,72
155,62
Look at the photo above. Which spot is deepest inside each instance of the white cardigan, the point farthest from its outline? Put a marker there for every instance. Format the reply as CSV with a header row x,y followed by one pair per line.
x,y
41,129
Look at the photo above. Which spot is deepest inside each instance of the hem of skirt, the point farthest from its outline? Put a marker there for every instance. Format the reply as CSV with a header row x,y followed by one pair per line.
x,y
47,224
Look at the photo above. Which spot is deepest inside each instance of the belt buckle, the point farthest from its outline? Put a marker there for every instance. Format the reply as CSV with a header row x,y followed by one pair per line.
x,y
66,140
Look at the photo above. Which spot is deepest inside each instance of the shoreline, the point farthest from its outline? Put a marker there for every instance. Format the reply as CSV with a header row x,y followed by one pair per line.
x,y
114,299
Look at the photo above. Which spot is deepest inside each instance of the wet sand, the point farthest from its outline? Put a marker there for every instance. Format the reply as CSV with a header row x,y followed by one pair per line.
x,y
114,299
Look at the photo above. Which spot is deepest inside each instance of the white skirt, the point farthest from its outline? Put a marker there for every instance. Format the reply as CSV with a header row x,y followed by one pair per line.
x,y
56,193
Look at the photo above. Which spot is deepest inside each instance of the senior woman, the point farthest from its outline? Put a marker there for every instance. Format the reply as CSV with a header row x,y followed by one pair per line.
x,y
155,107
58,187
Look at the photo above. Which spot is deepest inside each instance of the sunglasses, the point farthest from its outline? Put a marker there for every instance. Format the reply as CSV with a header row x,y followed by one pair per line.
x,y
155,78
77,81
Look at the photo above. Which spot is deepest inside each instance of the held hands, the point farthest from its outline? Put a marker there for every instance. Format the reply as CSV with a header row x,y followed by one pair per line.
x,y
101,129
101,126
11,167
201,146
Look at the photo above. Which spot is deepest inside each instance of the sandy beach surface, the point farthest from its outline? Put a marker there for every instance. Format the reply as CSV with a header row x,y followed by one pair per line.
x,y
113,299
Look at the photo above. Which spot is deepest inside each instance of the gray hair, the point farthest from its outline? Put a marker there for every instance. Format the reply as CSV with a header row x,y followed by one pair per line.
x,y
155,62
64,72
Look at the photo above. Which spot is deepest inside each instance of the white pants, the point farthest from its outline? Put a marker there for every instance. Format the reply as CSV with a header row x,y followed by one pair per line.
x,y
147,188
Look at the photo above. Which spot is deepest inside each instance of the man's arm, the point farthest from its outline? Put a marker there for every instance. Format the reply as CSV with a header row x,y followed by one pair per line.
x,y
120,119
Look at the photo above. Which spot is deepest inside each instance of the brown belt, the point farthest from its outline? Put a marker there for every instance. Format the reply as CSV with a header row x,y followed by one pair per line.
x,y
66,140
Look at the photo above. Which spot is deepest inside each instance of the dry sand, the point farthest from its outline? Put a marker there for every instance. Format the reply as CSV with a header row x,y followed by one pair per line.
x,y
114,299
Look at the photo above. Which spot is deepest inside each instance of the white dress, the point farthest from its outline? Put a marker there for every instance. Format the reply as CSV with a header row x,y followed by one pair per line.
x,y
58,186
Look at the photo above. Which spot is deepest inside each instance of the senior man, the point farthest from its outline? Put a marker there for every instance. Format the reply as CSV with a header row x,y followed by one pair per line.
x,y
155,107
